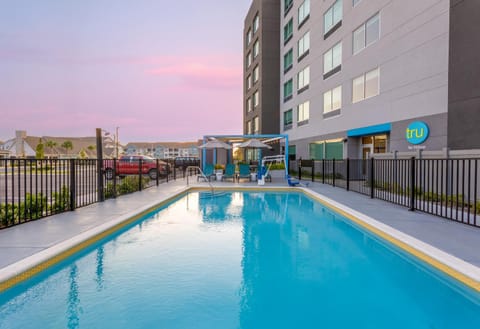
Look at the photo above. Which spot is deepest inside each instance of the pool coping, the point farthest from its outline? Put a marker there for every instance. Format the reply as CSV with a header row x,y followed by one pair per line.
x,y
462,271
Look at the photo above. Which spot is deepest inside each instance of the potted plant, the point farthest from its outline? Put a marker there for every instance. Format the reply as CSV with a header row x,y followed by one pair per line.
x,y
219,168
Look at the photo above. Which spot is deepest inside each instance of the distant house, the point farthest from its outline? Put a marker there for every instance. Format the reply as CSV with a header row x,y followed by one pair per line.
x,y
163,150
24,146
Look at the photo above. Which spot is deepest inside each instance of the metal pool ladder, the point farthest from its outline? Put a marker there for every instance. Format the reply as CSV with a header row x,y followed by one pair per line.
x,y
201,173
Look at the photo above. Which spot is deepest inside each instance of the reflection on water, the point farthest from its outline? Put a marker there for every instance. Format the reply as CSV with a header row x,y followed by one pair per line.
x,y
239,260
73,300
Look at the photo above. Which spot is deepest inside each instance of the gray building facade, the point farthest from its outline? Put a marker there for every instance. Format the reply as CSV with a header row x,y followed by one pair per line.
x,y
363,77
261,77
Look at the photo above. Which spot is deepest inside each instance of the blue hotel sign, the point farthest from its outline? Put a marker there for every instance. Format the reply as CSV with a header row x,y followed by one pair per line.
x,y
417,132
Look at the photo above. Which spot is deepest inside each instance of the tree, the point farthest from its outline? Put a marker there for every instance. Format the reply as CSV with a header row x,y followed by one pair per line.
x,y
83,154
67,145
51,145
91,147
39,151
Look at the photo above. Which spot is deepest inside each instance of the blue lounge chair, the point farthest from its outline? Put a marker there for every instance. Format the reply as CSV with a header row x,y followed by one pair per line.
x,y
292,181
208,171
244,172
229,172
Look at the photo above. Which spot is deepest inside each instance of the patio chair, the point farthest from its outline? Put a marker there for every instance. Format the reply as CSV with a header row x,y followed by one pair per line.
x,y
244,172
229,172
208,171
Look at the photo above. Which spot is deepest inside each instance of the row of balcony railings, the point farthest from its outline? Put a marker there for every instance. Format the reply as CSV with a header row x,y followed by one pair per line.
x,y
446,188
31,189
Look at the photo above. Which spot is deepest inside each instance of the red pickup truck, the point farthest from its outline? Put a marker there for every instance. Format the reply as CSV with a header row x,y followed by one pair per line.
x,y
130,165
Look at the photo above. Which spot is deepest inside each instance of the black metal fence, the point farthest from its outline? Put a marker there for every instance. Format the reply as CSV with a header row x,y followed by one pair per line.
x,y
443,187
31,189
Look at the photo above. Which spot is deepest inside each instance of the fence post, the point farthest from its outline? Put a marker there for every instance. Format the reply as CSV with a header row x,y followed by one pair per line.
x,y
73,185
412,184
100,186
348,174
333,175
323,171
300,169
313,170
140,174
114,178
158,171
372,178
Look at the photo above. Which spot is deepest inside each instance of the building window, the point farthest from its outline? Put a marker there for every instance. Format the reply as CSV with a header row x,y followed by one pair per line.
x,y
303,78
332,100
303,12
249,82
256,23
249,104
256,74
255,99
256,49
304,45
287,119
355,2
365,86
249,59
256,125
332,18
332,60
303,113
249,127
287,5
366,34
249,36
287,90
288,60
288,31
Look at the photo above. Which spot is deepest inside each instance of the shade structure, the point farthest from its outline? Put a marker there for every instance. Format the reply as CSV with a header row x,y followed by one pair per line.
x,y
254,143
215,144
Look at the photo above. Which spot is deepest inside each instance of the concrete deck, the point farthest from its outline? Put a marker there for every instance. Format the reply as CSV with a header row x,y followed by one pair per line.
x,y
22,241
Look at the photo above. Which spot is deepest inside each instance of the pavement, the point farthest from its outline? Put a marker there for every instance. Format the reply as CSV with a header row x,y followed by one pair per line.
x,y
19,242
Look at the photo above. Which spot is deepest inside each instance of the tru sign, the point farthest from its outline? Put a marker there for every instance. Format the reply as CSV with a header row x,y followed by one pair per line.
x,y
417,132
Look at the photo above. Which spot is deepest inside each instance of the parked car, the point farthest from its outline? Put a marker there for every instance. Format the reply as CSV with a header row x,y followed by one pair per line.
x,y
130,165
184,162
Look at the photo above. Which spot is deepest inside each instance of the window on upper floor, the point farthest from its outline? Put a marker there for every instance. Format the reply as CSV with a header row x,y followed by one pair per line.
x,y
365,86
287,90
303,113
249,127
287,119
287,5
355,2
288,60
249,59
256,99
332,18
304,45
249,36
366,34
303,78
303,12
249,104
256,74
256,23
288,31
332,60
256,48
332,100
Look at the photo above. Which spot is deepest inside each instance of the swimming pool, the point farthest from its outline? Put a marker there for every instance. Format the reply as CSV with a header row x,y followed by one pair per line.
x,y
241,260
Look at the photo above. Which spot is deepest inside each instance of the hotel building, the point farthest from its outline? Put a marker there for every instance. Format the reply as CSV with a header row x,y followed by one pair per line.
x,y
364,77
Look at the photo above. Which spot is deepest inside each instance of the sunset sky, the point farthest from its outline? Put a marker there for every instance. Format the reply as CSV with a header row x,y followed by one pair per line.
x,y
160,70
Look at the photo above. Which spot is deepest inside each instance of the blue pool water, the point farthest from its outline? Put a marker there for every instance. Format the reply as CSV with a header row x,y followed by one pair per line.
x,y
240,260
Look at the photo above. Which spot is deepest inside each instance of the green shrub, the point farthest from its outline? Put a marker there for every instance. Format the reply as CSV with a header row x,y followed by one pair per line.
x,y
277,166
61,200
130,184
8,214
33,207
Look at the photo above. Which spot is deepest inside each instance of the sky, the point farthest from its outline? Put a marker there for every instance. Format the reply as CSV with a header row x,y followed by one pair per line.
x,y
159,70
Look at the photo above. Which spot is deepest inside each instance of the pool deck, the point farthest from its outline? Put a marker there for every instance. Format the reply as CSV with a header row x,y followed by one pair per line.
x,y
21,242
